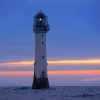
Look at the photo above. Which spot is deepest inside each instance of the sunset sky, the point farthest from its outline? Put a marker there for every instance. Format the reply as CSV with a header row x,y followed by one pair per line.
x,y
73,42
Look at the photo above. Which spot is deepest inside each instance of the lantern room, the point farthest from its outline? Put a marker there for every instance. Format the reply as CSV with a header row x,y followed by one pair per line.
x,y
40,23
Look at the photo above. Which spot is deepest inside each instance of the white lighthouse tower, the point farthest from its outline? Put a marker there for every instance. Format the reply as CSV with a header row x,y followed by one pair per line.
x,y
40,28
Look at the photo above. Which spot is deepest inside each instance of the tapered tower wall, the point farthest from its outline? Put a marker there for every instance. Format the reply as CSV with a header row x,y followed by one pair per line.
x,y
40,66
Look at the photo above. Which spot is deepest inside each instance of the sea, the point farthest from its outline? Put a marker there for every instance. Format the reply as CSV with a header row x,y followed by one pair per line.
x,y
52,93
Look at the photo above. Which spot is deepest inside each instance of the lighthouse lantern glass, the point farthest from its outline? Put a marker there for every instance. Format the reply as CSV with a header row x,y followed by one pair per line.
x,y
41,23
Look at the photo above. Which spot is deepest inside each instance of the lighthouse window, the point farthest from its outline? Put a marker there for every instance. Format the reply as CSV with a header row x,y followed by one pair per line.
x,y
42,35
42,57
42,42
40,19
34,63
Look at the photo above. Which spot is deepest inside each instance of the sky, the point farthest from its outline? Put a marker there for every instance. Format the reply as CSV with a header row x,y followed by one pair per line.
x,y
73,42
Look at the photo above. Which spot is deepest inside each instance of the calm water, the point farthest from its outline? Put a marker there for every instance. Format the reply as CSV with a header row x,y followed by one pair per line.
x,y
53,93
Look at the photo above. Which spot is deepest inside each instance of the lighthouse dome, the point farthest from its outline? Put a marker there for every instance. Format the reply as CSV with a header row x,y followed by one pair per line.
x,y
40,15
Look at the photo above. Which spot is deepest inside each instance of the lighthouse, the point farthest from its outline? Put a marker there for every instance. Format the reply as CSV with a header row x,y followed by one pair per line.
x,y
40,29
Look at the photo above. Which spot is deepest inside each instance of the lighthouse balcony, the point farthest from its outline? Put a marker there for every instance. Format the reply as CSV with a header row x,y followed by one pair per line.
x,y
44,28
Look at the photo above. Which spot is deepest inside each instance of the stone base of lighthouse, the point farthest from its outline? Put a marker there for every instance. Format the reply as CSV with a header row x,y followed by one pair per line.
x,y
40,83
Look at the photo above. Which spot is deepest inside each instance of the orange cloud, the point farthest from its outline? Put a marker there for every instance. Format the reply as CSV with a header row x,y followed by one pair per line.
x,y
53,62
17,63
16,73
64,72
85,61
